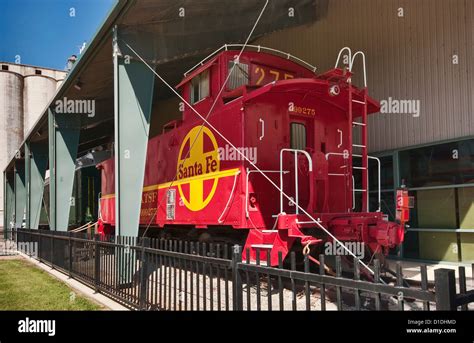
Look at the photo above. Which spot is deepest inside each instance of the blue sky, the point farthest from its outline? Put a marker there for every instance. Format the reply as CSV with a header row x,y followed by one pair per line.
x,y
46,32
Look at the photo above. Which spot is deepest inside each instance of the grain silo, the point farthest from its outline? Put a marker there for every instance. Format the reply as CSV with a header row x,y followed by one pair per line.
x,y
37,92
25,91
11,118
59,83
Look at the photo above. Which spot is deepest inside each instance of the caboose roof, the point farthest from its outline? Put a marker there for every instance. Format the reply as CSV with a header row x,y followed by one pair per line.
x,y
232,49
318,87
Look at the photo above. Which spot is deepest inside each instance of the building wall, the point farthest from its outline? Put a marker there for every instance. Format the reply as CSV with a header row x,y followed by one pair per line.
x,y
409,57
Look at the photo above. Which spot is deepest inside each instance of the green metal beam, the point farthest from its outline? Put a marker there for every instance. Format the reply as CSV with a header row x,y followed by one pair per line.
x,y
36,158
20,192
133,95
8,201
64,130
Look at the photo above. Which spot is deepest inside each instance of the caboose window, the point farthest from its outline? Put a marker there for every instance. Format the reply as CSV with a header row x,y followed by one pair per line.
x,y
200,87
239,76
298,136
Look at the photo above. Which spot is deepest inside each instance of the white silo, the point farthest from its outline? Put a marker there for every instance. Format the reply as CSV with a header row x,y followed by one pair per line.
x,y
37,93
11,120
59,83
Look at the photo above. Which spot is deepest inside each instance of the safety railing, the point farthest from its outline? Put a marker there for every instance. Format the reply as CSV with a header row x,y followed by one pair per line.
x,y
310,169
351,61
258,48
155,274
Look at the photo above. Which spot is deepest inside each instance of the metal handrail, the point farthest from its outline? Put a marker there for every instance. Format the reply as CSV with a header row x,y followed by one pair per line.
x,y
310,167
351,61
258,48
339,56
363,65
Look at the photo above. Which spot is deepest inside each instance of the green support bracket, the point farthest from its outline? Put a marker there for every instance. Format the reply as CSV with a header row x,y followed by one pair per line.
x,y
8,201
36,158
64,130
20,193
133,95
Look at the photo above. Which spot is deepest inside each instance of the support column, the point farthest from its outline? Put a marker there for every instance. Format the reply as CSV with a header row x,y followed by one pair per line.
x,y
36,157
396,184
20,193
8,201
64,132
133,96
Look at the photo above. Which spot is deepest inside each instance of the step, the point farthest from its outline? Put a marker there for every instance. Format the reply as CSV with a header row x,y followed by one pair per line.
x,y
261,246
262,263
269,231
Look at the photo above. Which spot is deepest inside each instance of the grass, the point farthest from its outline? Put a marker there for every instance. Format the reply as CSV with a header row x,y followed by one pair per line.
x,y
26,287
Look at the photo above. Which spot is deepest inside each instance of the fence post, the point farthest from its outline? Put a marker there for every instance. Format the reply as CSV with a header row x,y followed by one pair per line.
x,y
237,289
51,255
69,241
97,263
144,273
445,287
39,245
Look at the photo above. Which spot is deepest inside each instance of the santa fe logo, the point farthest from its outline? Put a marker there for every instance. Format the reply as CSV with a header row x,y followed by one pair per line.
x,y
199,172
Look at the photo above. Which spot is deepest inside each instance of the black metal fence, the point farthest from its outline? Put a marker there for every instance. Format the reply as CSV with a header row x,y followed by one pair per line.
x,y
154,274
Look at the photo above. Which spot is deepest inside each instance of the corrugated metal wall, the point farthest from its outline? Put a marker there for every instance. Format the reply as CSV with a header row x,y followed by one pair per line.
x,y
409,57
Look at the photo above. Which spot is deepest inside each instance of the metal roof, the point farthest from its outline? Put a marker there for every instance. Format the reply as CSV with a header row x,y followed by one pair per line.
x,y
173,45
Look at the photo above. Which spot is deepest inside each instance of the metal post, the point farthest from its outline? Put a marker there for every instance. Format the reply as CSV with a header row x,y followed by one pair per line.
x,y
9,201
97,263
27,185
20,192
69,241
133,98
36,157
52,250
64,141
39,246
144,273
445,287
237,279
52,169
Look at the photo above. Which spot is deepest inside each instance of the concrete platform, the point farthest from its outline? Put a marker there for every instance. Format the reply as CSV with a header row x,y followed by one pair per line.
x,y
411,270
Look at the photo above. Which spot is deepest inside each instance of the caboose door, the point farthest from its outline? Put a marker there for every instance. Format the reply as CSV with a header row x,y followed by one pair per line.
x,y
296,180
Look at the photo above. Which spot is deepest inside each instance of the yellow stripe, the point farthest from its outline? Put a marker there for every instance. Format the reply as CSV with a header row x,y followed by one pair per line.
x,y
203,177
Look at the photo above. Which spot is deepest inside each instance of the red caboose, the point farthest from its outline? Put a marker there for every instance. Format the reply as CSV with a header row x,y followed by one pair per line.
x,y
278,115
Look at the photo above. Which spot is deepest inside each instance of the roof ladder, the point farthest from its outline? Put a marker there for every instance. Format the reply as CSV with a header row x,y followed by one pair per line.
x,y
362,125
